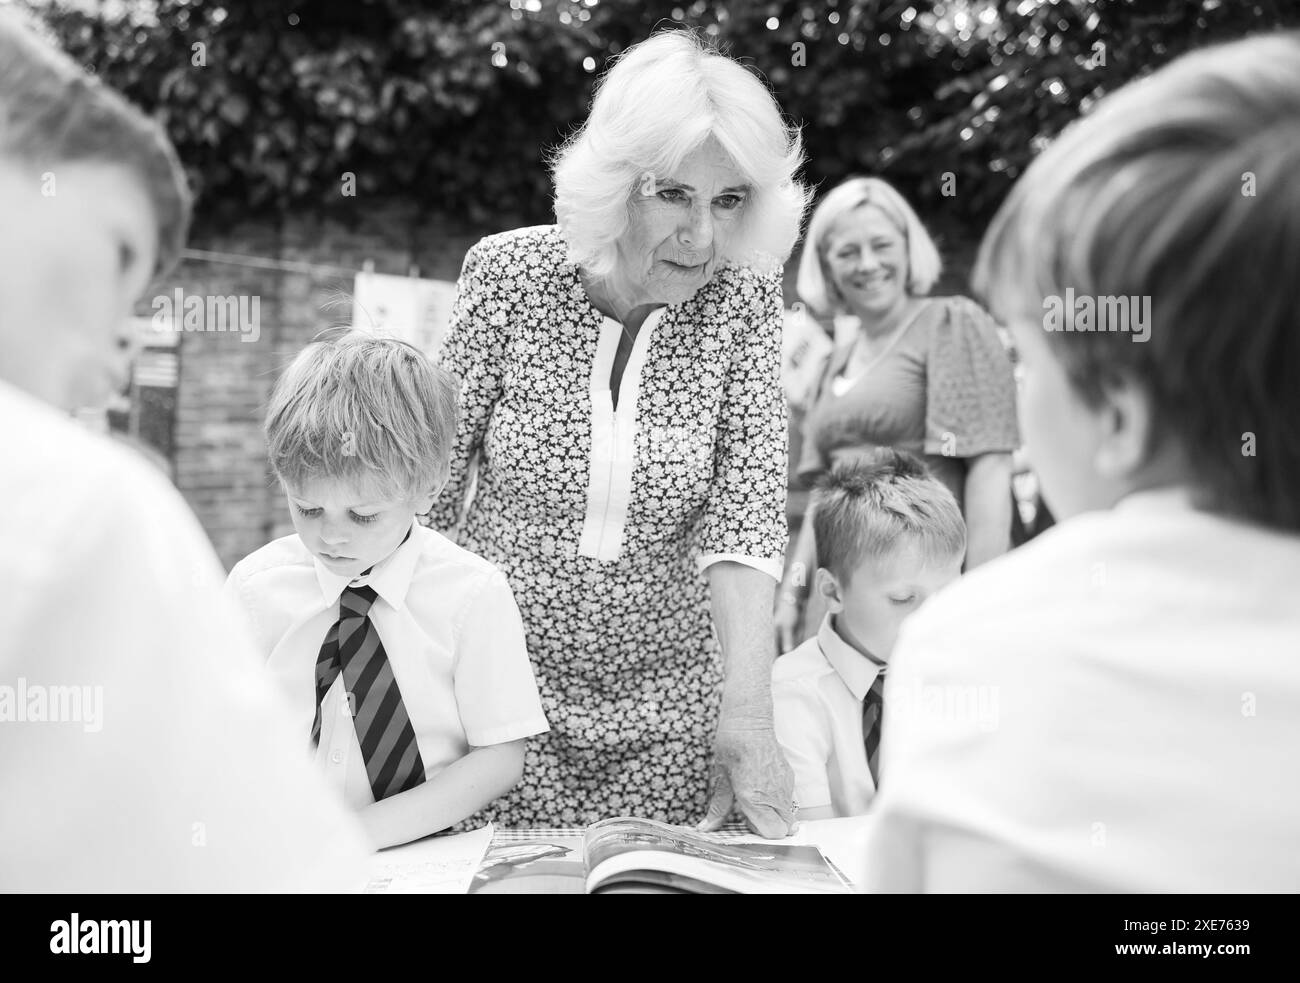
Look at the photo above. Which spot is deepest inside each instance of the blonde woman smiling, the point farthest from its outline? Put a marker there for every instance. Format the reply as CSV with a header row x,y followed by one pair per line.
x,y
926,375
621,399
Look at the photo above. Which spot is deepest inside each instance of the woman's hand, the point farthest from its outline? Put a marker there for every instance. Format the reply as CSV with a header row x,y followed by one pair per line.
x,y
749,768
750,771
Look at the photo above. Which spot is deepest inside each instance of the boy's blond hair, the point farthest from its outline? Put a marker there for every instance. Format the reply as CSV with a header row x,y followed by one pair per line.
x,y
871,508
373,411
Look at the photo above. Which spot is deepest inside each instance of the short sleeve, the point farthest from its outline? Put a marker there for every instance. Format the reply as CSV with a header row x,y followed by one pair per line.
x,y
970,388
496,693
474,352
744,517
803,733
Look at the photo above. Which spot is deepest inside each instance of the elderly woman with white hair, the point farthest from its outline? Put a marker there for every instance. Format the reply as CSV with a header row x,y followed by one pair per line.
x,y
927,375
622,409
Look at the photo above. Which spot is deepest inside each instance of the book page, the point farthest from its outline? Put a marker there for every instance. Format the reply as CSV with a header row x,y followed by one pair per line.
x,y
433,865
533,861
841,841
618,848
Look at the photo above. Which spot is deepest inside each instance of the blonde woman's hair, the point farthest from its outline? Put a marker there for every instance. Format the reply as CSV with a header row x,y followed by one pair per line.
x,y
373,411
663,99
814,284
1180,188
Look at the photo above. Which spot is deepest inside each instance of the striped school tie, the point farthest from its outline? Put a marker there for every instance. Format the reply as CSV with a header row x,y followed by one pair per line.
x,y
873,713
383,726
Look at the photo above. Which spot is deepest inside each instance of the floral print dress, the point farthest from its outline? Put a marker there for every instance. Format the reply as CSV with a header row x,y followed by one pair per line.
x,y
604,516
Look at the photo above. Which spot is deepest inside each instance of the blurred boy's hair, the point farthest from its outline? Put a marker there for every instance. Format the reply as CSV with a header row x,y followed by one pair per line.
x,y
52,112
1182,188
871,508
372,411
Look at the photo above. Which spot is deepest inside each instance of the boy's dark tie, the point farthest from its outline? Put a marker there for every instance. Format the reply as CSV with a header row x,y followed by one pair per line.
x,y
383,726
873,712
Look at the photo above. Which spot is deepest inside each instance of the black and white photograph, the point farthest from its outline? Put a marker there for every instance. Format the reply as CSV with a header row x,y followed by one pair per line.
x,y
860,431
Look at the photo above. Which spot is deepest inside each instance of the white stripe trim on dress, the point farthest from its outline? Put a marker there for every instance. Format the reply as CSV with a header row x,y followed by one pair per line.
x,y
612,457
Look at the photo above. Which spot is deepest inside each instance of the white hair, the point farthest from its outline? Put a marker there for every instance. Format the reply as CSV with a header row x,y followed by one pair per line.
x,y
663,99
814,285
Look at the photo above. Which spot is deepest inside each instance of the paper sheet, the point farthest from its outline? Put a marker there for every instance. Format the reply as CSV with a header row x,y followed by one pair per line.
x,y
842,841
434,865
410,308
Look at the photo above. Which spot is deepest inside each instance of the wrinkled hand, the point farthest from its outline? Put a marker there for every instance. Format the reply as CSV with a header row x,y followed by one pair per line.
x,y
750,771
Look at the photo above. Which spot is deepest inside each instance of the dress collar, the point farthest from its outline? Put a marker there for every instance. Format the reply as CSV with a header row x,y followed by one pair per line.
x,y
390,577
857,669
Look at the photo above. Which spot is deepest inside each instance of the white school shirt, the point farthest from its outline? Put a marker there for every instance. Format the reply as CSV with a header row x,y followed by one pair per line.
x,y
449,626
142,746
1114,706
817,694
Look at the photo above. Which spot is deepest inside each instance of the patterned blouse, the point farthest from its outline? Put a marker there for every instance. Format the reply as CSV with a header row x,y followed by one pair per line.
x,y
945,392
604,518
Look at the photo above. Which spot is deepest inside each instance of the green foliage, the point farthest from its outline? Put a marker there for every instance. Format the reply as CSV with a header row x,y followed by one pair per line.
x,y
1016,81
454,105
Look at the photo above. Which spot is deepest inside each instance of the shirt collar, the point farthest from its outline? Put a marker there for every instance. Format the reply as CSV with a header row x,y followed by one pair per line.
x,y
857,669
390,577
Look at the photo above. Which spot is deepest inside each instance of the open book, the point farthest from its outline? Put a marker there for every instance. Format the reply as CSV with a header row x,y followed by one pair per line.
x,y
639,856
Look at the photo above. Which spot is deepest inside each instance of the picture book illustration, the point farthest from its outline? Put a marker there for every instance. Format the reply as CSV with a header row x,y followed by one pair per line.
x,y
654,856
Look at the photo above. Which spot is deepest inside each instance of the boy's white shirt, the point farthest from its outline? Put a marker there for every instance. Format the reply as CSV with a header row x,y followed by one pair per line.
x,y
449,626
192,779
1143,665
817,694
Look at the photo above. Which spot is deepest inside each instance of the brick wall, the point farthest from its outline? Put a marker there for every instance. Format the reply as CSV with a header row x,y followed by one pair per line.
x,y
219,459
